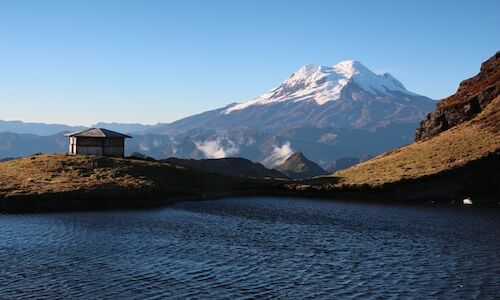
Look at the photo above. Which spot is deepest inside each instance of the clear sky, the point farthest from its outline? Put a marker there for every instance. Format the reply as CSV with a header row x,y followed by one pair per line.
x,y
79,62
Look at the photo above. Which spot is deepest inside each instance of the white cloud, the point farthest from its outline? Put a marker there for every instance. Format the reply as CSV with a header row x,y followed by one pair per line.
x,y
174,150
278,156
157,143
215,149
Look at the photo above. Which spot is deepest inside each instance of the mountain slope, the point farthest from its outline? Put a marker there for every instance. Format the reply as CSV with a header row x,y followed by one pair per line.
x,y
16,145
347,95
297,166
344,163
322,144
232,166
454,148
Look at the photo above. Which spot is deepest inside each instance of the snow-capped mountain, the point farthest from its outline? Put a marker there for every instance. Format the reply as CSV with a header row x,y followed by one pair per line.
x,y
323,84
346,95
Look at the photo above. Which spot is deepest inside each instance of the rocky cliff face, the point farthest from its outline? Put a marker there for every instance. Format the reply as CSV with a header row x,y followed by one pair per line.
x,y
473,95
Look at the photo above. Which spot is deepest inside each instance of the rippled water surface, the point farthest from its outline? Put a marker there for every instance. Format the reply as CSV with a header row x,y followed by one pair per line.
x,y
255,248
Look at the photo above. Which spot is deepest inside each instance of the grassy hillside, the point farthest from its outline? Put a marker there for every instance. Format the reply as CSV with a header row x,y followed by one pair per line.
x,y
61,181
451,149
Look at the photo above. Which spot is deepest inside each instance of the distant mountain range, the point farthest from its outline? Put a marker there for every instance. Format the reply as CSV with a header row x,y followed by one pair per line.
x,y
43,129
326,112
18,145
131,128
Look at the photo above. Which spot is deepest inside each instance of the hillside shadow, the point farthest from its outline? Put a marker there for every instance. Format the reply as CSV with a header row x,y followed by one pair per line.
x,y
320,180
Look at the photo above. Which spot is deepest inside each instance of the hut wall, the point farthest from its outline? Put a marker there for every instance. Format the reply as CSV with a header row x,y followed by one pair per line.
x,y
114,142
97,146
114,151
89,141
89,150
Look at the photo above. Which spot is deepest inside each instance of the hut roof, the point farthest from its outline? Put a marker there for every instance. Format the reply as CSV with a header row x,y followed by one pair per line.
x,y
97,133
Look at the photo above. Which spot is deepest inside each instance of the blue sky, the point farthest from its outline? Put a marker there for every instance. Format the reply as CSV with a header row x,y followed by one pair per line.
x,y
79,62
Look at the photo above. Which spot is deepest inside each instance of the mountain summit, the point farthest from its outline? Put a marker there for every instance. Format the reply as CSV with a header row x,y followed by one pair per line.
x,y
323,84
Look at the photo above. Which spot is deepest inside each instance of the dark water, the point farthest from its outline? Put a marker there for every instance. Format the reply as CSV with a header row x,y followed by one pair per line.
x,y
254,248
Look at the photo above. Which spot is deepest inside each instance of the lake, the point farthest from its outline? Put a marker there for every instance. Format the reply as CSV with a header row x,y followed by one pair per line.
x,y
260,247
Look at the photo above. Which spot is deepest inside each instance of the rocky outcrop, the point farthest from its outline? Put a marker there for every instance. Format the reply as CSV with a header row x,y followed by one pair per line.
x,y
297,166
473,95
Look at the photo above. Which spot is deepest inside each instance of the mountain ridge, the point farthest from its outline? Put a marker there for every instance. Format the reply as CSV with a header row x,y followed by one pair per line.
x,y
40,129
231,166
297,166
47,129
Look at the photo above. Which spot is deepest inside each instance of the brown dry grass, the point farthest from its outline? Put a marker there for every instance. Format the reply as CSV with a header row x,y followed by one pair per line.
x,y
60,173
451,149
40,174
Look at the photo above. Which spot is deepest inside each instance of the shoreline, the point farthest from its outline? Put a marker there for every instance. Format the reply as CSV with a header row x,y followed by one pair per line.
x,y
66,202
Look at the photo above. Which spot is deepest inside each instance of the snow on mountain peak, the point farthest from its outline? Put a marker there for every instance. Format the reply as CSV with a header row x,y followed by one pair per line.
x,y
323,84
349,68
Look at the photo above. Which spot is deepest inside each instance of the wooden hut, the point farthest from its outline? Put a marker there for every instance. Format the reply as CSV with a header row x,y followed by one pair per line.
x,y
97,141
